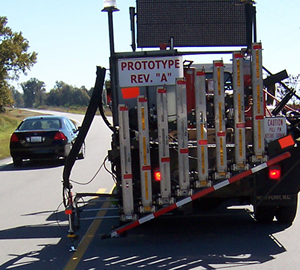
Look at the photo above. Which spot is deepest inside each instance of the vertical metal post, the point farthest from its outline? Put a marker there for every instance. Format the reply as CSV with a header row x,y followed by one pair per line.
x,y
258,103
220,128
126,169
201,121
132,27
164,151
145,160
239,110
182,135
112,62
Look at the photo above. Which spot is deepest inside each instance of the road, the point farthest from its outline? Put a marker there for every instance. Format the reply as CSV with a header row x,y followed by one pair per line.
x,y
32,230
33,227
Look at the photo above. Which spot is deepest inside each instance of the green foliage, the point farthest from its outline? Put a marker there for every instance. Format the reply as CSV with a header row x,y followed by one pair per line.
x,y
17,97
64,95
34,93
14,59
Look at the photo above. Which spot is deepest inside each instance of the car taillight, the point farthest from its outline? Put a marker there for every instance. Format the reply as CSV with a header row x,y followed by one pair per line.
x,y
14,138
275,172
157,175
59,136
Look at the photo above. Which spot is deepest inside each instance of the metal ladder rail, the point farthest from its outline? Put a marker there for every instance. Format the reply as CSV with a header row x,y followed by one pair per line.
x,y
239,111
182,136
126,170
201,125
258,103
144,155
164,151
220,127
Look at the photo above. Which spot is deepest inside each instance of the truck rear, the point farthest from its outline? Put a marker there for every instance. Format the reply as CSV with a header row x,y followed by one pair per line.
x,y
181,129
190,136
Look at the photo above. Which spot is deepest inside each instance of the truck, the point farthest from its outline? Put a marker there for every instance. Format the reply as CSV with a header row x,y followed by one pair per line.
x,y
188,137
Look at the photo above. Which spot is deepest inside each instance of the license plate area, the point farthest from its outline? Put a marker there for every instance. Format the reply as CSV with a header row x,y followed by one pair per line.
x,y
35,139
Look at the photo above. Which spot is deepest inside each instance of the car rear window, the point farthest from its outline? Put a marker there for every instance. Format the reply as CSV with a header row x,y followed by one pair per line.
x,y
40,124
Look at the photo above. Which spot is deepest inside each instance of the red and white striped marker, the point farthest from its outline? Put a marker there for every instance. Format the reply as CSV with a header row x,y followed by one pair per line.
x,y
200,194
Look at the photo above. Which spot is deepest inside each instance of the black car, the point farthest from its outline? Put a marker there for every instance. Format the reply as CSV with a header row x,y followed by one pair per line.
x,y
46,136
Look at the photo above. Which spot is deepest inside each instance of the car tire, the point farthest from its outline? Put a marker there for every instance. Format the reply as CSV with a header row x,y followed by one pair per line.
x,y
17,161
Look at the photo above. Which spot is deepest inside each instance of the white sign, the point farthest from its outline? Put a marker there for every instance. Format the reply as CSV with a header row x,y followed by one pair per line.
x,y
275,128
149,71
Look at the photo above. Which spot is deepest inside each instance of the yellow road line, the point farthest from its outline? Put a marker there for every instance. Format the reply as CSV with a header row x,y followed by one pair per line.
x,y
86,240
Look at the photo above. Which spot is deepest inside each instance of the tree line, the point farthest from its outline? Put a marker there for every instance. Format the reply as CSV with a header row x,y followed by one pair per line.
x,y
62,95
15,60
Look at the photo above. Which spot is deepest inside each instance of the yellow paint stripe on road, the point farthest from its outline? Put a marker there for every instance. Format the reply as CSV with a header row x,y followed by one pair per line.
x,y
86,240
101,190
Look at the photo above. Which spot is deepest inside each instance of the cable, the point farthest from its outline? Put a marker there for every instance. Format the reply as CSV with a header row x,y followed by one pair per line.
x,y
91,180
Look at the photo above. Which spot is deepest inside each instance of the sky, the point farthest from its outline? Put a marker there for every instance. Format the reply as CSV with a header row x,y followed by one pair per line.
x,y
71,37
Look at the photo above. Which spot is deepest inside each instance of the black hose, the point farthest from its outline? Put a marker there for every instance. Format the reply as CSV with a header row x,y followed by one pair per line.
x,y
95,101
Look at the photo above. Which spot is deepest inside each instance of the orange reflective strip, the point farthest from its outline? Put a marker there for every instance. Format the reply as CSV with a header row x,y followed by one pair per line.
x,y
286,141
130,92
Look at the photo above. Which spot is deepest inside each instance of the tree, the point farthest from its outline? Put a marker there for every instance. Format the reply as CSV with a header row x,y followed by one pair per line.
x,y
66,95
34,93
17,97
14,59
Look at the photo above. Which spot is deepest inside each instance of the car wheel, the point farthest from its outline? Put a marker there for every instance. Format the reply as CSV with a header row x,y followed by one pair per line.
x,y
81,154
17,161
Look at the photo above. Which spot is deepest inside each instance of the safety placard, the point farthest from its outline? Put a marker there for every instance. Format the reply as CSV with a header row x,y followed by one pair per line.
x,y
149,71
275,128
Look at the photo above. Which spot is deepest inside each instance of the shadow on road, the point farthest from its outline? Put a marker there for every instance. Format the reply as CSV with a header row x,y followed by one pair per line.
x,y
230,239
34,165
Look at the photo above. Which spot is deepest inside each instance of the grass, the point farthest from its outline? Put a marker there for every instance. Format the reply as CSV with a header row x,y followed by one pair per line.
x,y
8,123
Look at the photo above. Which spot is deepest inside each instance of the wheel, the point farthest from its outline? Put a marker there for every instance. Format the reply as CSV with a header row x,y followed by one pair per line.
x,y
264,214
17,161
81,154
286,214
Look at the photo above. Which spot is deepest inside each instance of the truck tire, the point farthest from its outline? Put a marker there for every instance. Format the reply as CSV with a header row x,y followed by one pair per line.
x,y
286,214
264,214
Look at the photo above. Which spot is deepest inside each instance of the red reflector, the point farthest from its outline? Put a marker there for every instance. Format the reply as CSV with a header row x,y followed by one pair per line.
x,y
157,175
14,138
131,92
286,141
68,211
274,172
59,136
